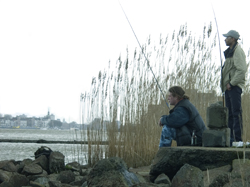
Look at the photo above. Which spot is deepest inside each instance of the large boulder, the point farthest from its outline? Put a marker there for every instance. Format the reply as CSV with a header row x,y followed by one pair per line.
x,y
169,160
213,177
8,165
16,180
43,162
32,169
188,176
56,162
111,172
66,176
5,175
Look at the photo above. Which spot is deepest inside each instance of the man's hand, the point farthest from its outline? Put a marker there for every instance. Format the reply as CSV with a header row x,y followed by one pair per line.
x,y
160,124
228,86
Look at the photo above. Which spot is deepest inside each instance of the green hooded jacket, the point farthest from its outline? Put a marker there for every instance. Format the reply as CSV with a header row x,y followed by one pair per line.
x,y
234,69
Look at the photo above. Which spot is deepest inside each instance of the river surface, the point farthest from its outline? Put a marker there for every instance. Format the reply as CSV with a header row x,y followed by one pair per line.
x,y
20,151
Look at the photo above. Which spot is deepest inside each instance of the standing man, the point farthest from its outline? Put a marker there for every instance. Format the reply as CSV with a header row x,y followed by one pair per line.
x,y
233,80
182,120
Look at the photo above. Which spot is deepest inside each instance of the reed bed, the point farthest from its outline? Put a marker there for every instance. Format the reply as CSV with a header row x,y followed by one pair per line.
x,y
125,104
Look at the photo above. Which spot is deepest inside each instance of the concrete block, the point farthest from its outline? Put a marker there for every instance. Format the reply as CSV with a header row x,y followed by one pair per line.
x,y
217,116
216,138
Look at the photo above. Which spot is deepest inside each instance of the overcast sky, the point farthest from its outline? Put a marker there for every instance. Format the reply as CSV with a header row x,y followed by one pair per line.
x,y
51,49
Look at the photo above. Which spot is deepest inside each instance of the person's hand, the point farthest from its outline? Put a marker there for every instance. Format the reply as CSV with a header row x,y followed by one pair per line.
x,y
159,123
228,86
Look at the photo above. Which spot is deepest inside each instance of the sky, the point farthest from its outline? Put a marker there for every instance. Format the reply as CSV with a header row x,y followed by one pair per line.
x,y
51,49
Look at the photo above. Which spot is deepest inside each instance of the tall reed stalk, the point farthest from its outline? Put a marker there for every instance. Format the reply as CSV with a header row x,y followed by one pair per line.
x,y
127,104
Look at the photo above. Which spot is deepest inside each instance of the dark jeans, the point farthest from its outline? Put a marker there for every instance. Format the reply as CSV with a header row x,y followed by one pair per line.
x,y
233,103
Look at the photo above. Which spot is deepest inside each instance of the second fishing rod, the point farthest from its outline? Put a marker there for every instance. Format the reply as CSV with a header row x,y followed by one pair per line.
x,y
145,57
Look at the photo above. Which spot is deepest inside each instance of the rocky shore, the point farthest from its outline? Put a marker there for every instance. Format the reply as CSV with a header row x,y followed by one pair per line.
x,y
171,167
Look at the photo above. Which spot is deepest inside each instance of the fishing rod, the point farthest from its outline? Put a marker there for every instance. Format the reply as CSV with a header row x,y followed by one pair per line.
x,y
223,100
144,56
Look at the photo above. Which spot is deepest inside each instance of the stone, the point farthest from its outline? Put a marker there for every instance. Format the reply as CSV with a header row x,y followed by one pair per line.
x,y
42,180
150,185
55,184
8,165
169,160
35,184
85,184
211,175
79,180
74,166
43,162
34,177
220,180
238,182
216,138
16,180
66,176
162,179
32,169
111,172
188,176
56,162
217,116
23,163
5,175
241,169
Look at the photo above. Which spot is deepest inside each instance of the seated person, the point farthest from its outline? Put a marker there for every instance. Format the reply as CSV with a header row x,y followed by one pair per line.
x,y
182,121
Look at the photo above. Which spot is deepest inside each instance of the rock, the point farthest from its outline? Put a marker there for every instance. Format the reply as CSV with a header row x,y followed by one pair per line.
x,y
16,180
55,184
212,175
241,169
162,179
179,162
216,116
5,175
220,180
34,177
73,166
43,162
84,184
66,176
32,169
237,183
56,162
42,180
23,163
8,165
169,160
150,185
111,172
216,138
79,180
35,184
188,176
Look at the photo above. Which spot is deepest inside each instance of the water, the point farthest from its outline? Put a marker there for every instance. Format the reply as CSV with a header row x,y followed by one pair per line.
x,y
20,151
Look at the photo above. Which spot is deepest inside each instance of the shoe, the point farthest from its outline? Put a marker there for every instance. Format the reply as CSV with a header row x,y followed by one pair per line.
x,y
240,144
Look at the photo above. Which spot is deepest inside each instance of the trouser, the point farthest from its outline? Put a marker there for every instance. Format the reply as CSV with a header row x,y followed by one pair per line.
x,y
233,103
167,135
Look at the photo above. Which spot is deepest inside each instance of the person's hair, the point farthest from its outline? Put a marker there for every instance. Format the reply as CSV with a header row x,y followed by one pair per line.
x,y
177,91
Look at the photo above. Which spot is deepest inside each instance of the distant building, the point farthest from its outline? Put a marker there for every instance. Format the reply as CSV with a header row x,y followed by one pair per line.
x,y
22,121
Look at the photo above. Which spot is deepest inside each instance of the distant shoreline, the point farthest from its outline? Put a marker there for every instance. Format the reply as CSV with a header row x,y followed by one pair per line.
x,y
52,142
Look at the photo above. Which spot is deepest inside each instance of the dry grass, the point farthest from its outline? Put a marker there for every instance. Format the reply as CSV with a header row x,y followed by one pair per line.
x,y
130,94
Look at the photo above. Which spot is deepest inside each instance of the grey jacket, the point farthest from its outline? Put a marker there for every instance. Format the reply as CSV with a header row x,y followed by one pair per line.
x,y
234,69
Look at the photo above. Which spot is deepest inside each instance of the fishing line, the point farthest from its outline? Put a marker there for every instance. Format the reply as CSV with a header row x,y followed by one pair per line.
x,y
220,52
144,55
